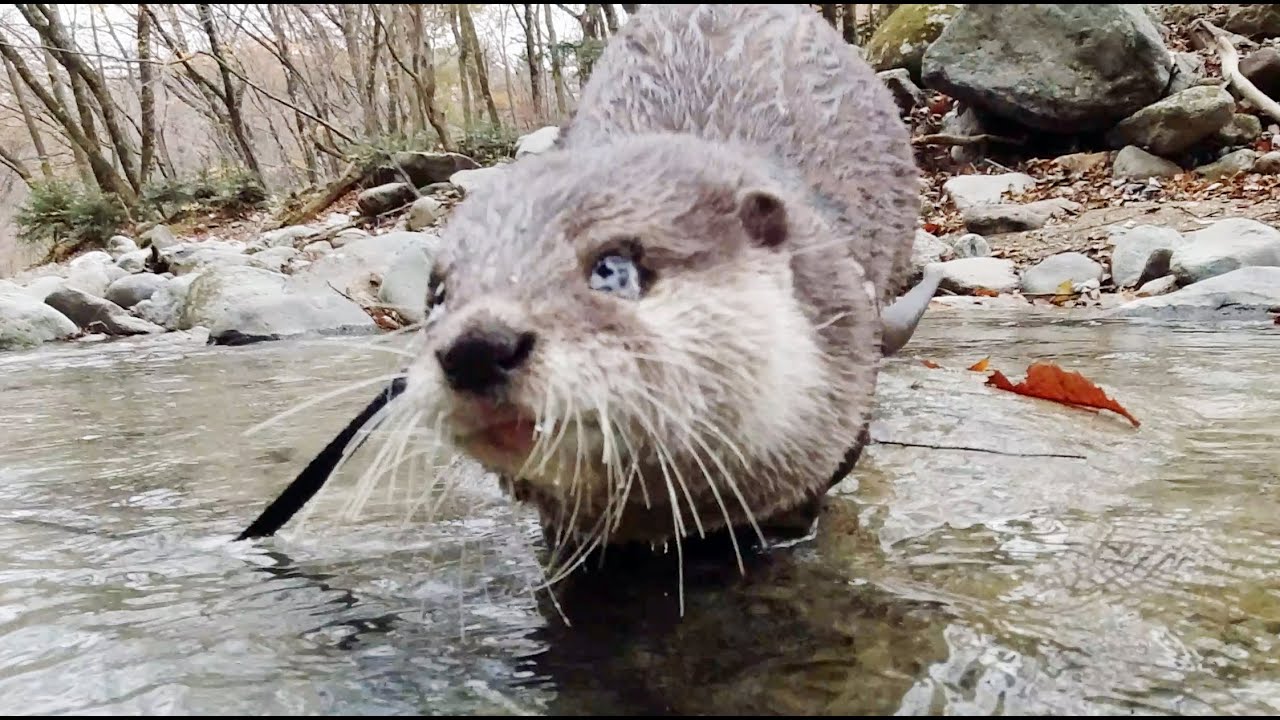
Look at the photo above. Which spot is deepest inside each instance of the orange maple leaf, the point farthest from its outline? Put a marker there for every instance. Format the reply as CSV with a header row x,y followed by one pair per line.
x,y
981,365
983,292
930,364
1050,382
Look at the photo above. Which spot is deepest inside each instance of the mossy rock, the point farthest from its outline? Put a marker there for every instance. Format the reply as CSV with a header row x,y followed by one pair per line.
x,y
902,38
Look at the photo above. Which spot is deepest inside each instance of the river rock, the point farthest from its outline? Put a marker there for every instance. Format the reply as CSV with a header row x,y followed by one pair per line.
x,y
424,211
1268,163
963,121
928,249
284,237
1257,22
404,286
40,288
1082,162
1059,68
160,236
468,181
906,94
970,190
190,257
534,143
133,289
423,168
1187,72
88,273
1233,163
319,247
27,322
275,259
384,198
346,236
970,274
969,245
1158,265
1262,68
166,304
901,40
1177,122
94,314
257,303
1159,286
1137,164
355,268
1242,130
1046,276
1132,248
1225,246
119,245
133,262
996,219
1248,291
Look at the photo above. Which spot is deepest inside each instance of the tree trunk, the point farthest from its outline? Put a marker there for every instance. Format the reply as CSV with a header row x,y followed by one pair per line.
x,y
146,94
37,137
59,94
274,15
849,23
831,13
463,84
531,56
425,70
557,67
230,96
610,18
482,74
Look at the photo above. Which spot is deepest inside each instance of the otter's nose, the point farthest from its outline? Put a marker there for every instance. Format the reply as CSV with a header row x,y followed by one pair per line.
x,y
483,358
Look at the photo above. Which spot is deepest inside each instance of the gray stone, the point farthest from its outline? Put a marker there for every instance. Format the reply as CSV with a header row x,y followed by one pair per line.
x,y
159,236
970,245
133,289
996,219
120,245
1262,68
94,314
26,322
424,211
384,198
1268,163
1177,122
928,249
901,39
133,262
1082,162
1158,265
40,288
1046,276
286,236
963,121
1059,68
1247,292
89,278
1257,22
969,190
469,181
1188,71
906,94
404,286
1233,163
355,268
1242,130
1138,164
534,143
1133,247
259,303
319,247
970,274
1224,246
423,168
346,236
191,257
1159,286
166,304
275,259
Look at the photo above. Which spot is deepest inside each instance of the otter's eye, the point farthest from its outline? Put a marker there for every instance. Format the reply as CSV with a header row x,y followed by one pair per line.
x,y
435,297
616,273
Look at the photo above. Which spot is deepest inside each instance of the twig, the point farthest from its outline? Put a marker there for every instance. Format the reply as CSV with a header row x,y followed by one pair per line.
x,y
1211,36
974,449
962,140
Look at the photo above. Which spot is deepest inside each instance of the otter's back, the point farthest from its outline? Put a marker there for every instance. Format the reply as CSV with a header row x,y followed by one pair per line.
x,y
777,79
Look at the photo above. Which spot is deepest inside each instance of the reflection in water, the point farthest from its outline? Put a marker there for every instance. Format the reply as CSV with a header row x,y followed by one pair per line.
x,y
1142,577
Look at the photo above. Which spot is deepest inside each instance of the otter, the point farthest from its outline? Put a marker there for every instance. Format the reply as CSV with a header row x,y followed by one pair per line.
x,y
671,323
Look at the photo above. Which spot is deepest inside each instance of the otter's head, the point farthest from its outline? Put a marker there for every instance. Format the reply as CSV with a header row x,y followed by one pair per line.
x,y
650,338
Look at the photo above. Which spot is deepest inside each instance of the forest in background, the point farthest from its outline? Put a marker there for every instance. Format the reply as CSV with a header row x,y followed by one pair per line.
x,y
116,114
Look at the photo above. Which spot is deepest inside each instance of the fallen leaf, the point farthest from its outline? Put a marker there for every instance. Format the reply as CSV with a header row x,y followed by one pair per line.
x,y
1063,293
983,292
932,228
930,364
1050,382
981,365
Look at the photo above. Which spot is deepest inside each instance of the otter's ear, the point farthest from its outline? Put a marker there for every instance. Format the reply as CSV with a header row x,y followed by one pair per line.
x,y
764,217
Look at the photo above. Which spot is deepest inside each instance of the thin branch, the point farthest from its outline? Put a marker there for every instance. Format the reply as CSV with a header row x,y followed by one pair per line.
x,y
983,450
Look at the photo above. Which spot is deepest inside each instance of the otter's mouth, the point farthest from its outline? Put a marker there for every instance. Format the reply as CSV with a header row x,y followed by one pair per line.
x,y
499,433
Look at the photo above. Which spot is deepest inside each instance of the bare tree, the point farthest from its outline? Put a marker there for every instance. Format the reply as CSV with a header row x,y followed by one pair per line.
x,y
482,75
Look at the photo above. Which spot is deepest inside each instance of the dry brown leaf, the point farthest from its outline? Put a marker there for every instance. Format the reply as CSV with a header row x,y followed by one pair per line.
x,y
930,364
983,292
1050,382
981,365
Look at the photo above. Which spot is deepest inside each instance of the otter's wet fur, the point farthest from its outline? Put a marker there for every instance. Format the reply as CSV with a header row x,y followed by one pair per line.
x,y
755,175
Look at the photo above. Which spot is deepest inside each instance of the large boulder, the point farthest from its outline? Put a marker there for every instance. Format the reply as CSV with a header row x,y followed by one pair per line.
x,y
133,289
1058,68
978,273
1177,122
27,322
966,191
257,303
166,304
1134,163
356,267
422,168
385,198
906,94
1233,163
1133,248
534,143
96,315
1248,292
1262,68
423,212
901,40
1006,218
119,245
1046,276
404,287
1225,246
1258,21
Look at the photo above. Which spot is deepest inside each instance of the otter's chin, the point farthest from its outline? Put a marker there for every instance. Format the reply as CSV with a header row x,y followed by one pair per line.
x,y
501,436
